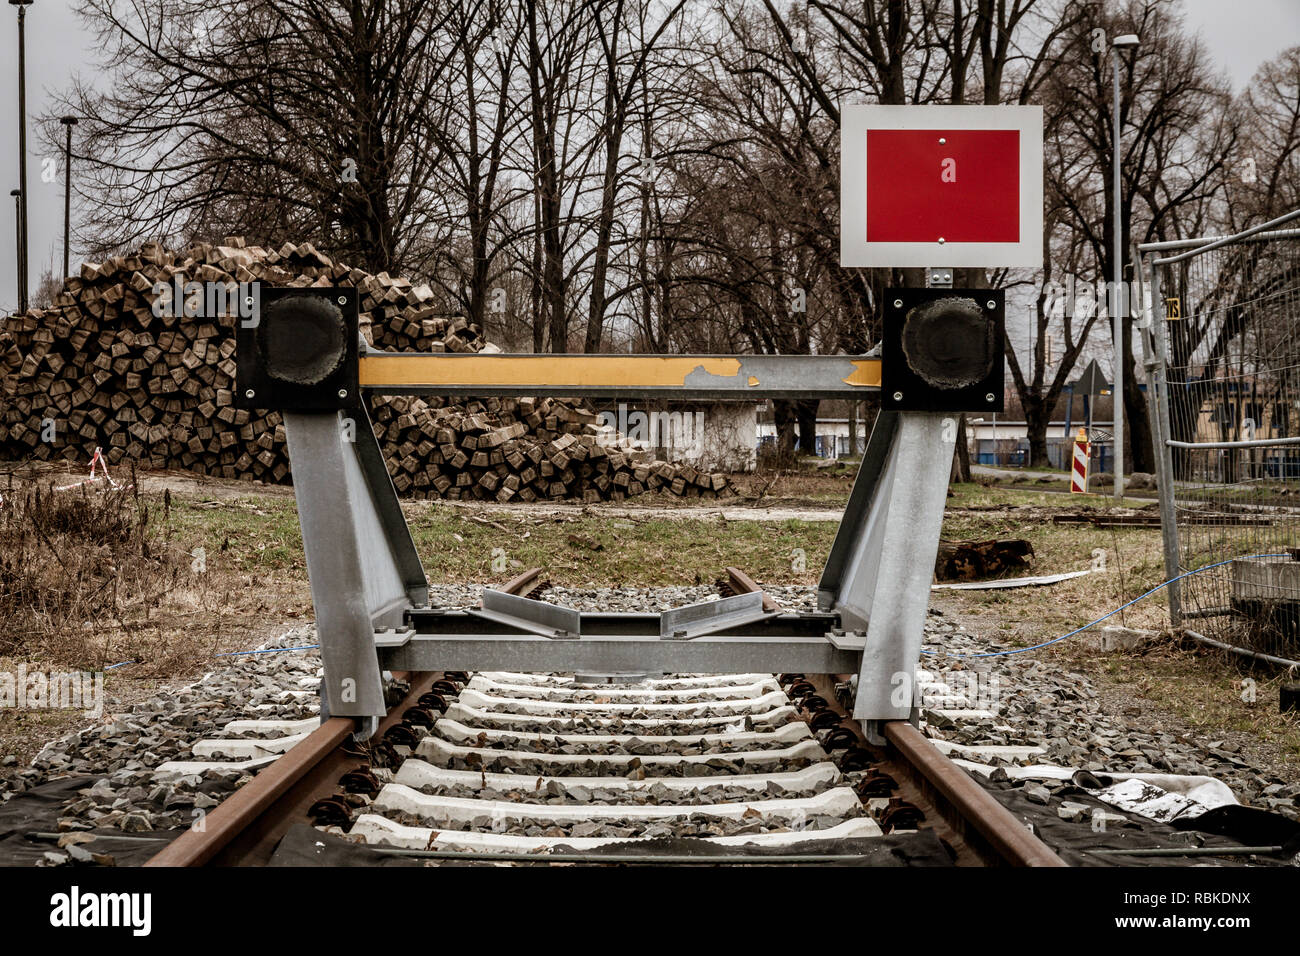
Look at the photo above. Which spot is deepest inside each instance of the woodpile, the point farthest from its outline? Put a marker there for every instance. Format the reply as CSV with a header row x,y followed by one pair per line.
x,y
103,367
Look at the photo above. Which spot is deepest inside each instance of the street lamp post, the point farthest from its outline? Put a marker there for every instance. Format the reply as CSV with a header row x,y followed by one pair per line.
x,y
18,231
22,6
1117,308
68,122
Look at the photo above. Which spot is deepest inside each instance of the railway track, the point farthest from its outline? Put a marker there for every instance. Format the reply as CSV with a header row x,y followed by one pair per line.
x,y
534,768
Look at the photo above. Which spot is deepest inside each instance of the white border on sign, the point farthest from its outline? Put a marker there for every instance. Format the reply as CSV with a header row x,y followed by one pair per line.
x,y
855,251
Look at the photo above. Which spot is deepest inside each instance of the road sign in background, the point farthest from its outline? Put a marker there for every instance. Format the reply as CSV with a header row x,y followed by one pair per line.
x,y
1091,382
941,186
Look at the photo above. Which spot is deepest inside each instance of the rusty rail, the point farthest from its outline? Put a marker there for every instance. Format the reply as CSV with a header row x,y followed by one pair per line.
x,y
742,583
250,818
246,826
987,826
975,807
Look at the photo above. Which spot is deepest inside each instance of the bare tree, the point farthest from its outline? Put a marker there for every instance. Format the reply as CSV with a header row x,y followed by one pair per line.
x,y
309,118
1178,140
477,143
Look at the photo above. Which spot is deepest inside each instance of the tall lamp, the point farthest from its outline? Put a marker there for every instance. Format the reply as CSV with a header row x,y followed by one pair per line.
x,y
22,6
68,122
1128,40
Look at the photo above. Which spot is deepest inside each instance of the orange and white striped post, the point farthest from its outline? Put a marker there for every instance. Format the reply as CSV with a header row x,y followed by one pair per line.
x,y
1079,476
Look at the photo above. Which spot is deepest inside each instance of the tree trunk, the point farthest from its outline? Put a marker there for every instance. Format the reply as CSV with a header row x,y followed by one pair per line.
x,y
784,418
1037,416
961,455
1137,428
806,412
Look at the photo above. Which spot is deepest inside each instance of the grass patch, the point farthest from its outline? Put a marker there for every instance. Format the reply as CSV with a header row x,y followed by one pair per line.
x,y
1215,694
1129,561
594,550
253,534
805,485
1202,689
252,582
75,564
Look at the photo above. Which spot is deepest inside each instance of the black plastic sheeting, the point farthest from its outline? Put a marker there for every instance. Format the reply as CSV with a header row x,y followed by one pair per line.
x,y
1222,827
38,810
305,846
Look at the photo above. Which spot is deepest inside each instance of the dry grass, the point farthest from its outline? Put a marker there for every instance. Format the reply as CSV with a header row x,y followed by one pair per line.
x,y
1199,690
1131,558
93,576
599,551
800,485
75,564
1216,695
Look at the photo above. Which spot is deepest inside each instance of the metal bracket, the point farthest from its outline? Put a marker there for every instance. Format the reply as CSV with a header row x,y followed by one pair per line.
x,y
393,636
847,640
709,617
367,727
938,278
533,617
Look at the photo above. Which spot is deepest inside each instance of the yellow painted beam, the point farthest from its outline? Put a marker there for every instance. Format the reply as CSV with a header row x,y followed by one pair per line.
x,y
645,371
866,372
566,371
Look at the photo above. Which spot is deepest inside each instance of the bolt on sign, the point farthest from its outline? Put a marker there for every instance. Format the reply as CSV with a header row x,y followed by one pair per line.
x,y
947,186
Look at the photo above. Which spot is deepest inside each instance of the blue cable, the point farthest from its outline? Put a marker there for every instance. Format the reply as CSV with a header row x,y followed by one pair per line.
x,y
265,650
1022,650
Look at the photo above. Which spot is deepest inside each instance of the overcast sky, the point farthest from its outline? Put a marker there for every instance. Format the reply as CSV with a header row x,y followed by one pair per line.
x,y
1240,33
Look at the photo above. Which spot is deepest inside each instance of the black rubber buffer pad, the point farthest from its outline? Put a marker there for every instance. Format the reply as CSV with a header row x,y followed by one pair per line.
x,y
300,350
302,339
942,350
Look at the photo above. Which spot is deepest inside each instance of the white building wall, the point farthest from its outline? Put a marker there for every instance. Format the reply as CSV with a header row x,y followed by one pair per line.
x,y
717,437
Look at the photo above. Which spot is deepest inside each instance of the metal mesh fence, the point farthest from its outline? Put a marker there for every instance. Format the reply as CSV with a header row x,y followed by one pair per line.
x,y
1229,351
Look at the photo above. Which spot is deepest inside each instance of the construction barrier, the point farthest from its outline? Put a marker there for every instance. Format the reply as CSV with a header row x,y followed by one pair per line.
x,y
1079,473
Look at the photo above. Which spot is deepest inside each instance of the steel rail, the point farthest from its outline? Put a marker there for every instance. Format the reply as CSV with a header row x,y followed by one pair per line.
x,y
964,804
248,820
257,800
976,807
253,818
523,582
742,583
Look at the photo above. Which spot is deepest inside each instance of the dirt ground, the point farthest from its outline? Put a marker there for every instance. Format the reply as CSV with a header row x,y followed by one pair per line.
x,y
255,586
1169,687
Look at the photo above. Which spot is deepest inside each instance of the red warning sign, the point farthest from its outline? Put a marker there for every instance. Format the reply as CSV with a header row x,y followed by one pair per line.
x,y
943,186
959,185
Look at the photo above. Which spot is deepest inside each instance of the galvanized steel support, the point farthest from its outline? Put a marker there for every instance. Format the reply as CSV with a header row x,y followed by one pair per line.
x,y
1153,340
370,592
892,566
361,561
